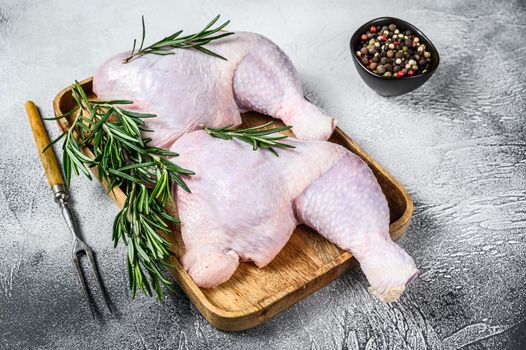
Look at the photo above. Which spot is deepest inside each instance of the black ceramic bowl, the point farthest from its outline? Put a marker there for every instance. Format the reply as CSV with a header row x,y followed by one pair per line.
x,y
393,86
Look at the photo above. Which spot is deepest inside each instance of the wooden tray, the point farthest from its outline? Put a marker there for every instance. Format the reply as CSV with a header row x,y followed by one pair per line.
x,y
307,263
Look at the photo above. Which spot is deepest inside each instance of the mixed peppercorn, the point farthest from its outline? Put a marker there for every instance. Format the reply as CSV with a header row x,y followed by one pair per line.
x,y
390,52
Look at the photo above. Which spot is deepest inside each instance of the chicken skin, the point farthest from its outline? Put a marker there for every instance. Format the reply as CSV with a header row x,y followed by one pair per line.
x,y
245,204
190,89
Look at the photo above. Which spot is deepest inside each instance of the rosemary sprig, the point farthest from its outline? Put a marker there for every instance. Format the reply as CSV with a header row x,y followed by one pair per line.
x,y
175,41
125,159
257,136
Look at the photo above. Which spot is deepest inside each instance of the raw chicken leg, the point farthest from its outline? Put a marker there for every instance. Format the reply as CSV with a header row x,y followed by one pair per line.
x,y
245,205
190,88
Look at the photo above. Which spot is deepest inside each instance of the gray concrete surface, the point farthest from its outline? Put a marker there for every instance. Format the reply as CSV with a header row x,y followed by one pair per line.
x,y
458,144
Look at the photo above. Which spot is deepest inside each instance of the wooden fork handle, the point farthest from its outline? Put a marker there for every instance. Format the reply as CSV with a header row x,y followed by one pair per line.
x,y
49,161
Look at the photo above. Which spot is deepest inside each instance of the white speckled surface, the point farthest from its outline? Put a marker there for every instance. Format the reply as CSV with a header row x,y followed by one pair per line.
x,y
457,143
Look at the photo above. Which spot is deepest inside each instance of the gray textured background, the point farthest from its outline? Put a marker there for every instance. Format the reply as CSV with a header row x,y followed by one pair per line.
x,y
458,144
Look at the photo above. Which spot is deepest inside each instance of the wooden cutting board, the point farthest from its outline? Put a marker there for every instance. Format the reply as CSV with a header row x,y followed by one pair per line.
x,y
307,263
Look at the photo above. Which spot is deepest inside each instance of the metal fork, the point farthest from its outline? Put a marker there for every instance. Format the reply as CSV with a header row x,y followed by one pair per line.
x,y
79,247
56,183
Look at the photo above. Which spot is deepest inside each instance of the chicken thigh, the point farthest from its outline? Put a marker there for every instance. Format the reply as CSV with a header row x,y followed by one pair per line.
x,y
189,88
245,204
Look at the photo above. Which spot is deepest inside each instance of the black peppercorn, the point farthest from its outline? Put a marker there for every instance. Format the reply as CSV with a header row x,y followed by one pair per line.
x,y
392,27
388,67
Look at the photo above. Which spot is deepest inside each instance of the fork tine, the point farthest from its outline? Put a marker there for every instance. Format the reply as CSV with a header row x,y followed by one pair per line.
x,y
82,281
95,268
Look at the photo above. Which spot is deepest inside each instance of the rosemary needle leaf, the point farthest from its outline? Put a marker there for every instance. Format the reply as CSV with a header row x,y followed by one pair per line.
x,y
143,33
211,23
54,141
211,53
63,115
112,102
137,165
134,43
162,52
181,183
137,114
124,176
